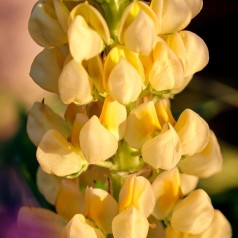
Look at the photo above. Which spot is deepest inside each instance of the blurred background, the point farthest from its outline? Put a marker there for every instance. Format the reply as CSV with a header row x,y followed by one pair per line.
x,y
213,93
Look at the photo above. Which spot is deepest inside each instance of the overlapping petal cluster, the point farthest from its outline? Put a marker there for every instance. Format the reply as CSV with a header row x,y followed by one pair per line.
x,y
115,162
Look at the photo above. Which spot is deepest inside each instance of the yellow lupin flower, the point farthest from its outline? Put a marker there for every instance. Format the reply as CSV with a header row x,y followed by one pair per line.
x,y
69,193
57,156
130,223
96,142
163,151
39,222
219,228
142,122
81,227
40,119
46,68
193,132
137,28
75,85
191,49
184,11
123,75
167,191
167,71
137,191
193,214
188,182
205,163
87,32
44,27
113,117
100,207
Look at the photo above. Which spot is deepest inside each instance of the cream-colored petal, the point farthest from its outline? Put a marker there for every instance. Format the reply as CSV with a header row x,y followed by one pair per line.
x,y
142,122
167,9
193,132
124,82
46,69
188,183
48,185
167,71
70,199
94,68
62,13
167,191
195,6
44,27
79,226
84,42
194,213
219,228
93,18
163,111
97,143
113,117
206,163
164,150
57,156
40,119
137,191
130,224
75,84
100,207
191,49
39,222
140,34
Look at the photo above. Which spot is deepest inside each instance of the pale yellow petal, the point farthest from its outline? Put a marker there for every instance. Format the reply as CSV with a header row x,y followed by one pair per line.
x,y
194,213
42,118
113,117
39,222
219,228
100,207
44,27
188,183
191,49
167,71
84,42
48,185
166,10
137,191
79,226
46,69
96,142
142,122
163,151
206,163
193,132
167,191
130,224
75,85
140,34
195,6
57,156
124,82
70,199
